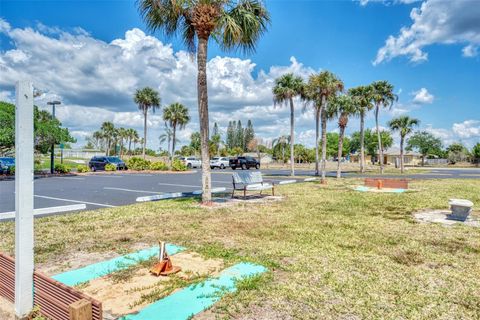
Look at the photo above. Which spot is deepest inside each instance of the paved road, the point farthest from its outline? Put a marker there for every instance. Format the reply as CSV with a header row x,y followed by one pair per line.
x,y
101,190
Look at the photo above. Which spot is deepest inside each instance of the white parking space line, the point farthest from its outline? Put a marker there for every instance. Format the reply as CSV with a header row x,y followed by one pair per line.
x,y
178,185
135,175
106,176
76,201
45,211
132,190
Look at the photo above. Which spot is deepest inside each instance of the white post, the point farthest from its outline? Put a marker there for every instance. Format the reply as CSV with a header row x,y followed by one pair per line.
x,y
23,199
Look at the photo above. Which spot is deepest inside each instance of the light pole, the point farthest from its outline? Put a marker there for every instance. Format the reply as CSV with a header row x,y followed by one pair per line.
x,y
52,154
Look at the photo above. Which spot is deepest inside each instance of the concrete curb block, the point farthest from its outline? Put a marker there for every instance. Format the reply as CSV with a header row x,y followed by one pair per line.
x,y
287,181
310,179
4,216
176,195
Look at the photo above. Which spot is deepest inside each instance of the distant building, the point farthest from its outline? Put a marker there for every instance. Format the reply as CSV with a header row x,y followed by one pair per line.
x,y
391,156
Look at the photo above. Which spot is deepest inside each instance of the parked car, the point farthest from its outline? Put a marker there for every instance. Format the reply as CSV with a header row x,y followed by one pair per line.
x,y
244,163
191,162
6,164
219,162
99,163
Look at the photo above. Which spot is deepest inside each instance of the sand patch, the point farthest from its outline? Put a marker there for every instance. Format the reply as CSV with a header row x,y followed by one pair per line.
x,y
120,298
6,309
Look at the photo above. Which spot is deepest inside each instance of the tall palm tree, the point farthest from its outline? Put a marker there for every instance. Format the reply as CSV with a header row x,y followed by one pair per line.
x,y
232,24
404,125
177,116
132,135
281,142
321,88
382,96
166,137
108,133
146,98
342,107
362,98
286,88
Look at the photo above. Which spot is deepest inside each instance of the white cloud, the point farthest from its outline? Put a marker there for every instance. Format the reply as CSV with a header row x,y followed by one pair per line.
x,y
467,129
386,2
422,96
435,22
95,80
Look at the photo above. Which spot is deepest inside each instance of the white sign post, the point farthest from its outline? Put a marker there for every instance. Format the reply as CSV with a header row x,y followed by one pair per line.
x,y
23,199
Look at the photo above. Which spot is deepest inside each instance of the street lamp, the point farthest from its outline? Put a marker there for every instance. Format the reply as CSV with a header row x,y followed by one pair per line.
x,y
52,154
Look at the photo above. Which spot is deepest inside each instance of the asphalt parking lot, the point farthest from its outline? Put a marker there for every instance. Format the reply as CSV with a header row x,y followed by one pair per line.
x,y
111,190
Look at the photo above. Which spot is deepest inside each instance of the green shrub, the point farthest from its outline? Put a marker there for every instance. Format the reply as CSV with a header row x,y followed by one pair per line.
x,y
158,165
136,163
83,168
12,170
110,167
178,165
61,168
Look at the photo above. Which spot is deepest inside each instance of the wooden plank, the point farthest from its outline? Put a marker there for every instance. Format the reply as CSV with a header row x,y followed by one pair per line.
x,y
80,310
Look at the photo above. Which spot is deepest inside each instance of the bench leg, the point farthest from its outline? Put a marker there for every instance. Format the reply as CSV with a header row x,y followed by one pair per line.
x,y
245,194
233,193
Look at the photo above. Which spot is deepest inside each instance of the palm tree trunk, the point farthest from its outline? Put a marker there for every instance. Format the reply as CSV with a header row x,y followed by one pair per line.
x,y
130,146
340,151
380,147
317,136
362,142
203,116
292,138
144,132
401,153
324,143
173,142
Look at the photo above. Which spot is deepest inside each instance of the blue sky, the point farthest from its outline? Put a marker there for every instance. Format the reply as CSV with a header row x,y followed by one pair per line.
x,y
434,65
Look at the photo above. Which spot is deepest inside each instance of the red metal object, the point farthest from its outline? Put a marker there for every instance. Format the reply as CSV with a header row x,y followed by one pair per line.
x,y
387,183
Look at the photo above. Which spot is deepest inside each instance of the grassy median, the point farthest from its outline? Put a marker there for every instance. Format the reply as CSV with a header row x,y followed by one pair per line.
x,y
333,253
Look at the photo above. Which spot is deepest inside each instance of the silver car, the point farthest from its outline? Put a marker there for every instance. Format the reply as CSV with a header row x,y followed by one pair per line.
x,y
219,162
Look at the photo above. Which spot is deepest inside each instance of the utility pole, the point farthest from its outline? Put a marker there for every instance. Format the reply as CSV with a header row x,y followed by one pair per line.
x,y
52,152
23,199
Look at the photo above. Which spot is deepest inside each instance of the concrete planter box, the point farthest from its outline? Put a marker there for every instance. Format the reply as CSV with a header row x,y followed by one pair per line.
x,y
461,209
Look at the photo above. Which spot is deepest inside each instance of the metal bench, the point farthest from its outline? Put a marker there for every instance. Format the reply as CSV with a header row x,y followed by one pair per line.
x,y
250,181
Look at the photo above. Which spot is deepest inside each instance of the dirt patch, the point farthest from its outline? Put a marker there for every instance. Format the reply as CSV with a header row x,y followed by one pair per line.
x,y
120,298
6,309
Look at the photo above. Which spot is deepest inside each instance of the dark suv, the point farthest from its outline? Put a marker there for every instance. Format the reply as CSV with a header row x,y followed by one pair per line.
x,y
99,163
244,163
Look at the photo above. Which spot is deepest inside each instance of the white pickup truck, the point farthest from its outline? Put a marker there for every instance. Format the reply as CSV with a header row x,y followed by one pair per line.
x,y
191,162
219,162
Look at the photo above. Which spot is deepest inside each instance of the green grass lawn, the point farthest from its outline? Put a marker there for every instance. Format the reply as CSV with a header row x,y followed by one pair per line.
x,y
333,253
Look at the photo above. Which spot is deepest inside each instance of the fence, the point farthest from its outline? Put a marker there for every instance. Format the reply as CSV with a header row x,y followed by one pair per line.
x,y
433,162
81,154
52,297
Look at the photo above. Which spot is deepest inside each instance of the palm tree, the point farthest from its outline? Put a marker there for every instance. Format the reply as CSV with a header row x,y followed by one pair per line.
x,y
281,142
286,88
146,98
342,107
382,96
362,98
177,116
404,125
132,135
108,133
166,137
232,24
321,88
